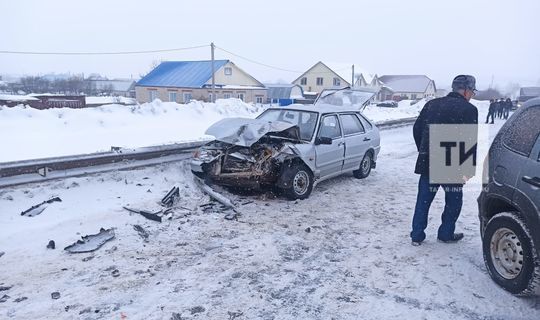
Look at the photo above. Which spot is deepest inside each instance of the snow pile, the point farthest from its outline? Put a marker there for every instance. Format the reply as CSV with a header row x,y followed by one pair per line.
x,y
58,132
403,111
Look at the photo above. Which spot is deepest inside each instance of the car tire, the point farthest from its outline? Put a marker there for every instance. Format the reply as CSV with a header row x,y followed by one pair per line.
x,y
365,166
299,182
510,255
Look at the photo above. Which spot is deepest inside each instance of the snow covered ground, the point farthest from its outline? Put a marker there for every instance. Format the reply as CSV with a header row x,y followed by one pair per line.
x,y
343,253
58,132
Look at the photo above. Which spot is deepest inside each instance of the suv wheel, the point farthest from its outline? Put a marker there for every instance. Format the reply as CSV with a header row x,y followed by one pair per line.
x,y
510,255
300,182
365,167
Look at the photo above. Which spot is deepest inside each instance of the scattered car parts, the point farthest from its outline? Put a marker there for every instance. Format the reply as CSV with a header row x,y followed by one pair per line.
x,y
38,208
154,216
92,242
171,198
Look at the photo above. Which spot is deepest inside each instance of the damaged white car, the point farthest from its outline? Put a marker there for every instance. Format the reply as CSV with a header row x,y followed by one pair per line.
x,y
291,148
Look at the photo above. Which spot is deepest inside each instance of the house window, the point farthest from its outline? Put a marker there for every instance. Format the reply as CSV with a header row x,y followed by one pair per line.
x,y
337,82
187,97
241,96
152,95
303,81
319,81
259,99
172,96
228,71
226,95
413,96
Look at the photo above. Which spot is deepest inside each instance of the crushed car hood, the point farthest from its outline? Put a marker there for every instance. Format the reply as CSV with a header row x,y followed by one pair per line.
x,y
245,132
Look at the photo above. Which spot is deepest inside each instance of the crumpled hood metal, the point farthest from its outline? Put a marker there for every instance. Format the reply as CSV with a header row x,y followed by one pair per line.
x,y
244,131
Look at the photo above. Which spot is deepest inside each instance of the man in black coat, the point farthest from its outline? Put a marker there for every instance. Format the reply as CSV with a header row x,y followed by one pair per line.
x,y
455,109
507,108
491,111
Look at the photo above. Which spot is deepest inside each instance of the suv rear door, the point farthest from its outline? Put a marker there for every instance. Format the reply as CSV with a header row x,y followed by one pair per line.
x,y
527,194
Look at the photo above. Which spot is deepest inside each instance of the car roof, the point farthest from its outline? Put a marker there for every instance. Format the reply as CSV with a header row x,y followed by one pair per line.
x,y
531,102
321,108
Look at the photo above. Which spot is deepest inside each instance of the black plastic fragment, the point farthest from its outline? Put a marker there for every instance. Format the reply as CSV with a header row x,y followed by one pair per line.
x,y
38,208
171,197
147,214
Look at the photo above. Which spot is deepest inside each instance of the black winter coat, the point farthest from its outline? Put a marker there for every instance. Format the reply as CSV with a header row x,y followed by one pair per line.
x,y
452,109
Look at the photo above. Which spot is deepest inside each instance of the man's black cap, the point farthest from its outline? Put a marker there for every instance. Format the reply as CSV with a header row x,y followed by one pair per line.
x,y
464,82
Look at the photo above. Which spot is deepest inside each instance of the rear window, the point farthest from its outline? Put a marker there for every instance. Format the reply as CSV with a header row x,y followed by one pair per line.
x,y
351,124
523,131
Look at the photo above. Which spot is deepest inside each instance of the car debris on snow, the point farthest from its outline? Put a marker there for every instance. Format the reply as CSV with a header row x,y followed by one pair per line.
x,y
21,299
154,216
2,253
5,288
170,199
92,242
4,298
51,245
214,194
55,295
38,208
143,233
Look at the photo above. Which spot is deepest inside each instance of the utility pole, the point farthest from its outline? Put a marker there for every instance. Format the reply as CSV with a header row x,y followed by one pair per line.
x,y
352,83
492,78
213,71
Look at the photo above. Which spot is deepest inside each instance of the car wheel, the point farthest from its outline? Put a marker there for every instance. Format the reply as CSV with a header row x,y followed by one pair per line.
x,y
365,166
510,255
300,182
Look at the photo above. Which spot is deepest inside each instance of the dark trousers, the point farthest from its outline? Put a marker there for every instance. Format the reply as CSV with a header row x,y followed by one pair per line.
x,y
506,113
492,115
452,208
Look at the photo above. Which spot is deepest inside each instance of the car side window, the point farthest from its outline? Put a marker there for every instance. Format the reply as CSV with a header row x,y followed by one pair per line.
x,y
330,127
367,124
351,124
521,136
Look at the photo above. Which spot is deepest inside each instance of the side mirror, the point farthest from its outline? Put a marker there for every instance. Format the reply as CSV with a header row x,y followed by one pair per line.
x,y
323,140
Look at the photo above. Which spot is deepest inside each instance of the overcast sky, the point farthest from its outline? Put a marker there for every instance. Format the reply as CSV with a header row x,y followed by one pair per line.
x,y
439,38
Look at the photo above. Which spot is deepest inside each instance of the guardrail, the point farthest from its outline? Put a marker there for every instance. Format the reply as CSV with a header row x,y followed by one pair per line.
x,y
40,170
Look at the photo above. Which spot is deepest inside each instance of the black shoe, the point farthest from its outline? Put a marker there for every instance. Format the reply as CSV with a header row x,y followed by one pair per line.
x,y
455,238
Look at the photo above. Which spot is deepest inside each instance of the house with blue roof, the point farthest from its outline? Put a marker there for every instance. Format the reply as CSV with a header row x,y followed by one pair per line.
x,y
183,81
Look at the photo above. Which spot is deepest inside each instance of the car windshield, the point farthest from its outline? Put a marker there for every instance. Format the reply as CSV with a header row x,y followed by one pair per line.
x,y
305,120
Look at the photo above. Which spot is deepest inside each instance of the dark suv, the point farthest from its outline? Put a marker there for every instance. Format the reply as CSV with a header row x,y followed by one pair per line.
x,y
509,205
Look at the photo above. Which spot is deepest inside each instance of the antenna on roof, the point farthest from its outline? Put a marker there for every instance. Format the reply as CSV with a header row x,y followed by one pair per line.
x,y
212,47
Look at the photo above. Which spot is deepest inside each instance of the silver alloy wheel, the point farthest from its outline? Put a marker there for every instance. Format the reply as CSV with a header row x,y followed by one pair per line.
x,y
366,164
301,182
506,253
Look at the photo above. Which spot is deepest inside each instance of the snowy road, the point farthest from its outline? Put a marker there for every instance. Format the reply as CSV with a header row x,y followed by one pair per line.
x,y
344,253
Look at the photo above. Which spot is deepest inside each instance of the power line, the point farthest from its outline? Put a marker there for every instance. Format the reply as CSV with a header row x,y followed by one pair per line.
x,y
256,62
100,53
273,67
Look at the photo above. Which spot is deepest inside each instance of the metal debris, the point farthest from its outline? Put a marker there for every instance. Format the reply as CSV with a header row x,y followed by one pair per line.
x,y
215,195
92,242
5,288
234,315
21,299
143,233
4,298
176,316
38,208
2,253
154,216
55,295
51,245
171,197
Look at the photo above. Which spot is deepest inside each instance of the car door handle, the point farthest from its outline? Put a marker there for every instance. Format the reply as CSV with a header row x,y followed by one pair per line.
x,y
367,139
535,181
341,144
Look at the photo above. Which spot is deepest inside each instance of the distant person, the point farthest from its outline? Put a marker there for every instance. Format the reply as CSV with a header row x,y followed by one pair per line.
x,y
491,111
501,108
508,107
455,108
